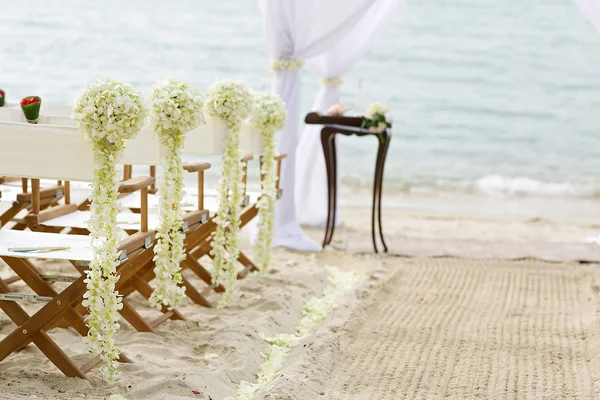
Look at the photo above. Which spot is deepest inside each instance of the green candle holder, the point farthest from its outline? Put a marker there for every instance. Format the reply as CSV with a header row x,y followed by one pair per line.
x,y
31,108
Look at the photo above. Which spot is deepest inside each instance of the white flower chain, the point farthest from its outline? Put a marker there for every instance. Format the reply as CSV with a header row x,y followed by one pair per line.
x,y
314,311
108,113
286,64
269,116
334,81
176,108
231,102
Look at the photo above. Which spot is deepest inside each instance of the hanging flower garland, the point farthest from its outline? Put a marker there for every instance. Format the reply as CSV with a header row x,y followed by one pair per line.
x,y
231,102
108,113
269,116
175,109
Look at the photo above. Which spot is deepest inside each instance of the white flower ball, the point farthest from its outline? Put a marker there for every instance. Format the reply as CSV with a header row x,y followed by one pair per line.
x,y
109,110
269,112
175,106
230,101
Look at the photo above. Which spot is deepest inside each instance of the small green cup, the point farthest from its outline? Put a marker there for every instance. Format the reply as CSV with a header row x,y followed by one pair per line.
x,y
31,108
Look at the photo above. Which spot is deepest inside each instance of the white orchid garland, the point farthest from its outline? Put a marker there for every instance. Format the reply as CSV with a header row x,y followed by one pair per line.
x,y
108,113
175,109
231,102
314,311
268,116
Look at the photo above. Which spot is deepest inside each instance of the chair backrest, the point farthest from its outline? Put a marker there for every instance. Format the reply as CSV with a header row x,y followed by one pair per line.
x,y
45,151
208,139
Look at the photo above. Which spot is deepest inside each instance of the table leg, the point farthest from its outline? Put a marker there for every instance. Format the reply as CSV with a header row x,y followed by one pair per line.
x,y
375,194
333,185
327,153
384,145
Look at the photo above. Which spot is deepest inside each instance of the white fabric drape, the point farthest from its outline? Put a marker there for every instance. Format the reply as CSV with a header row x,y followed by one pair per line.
x,y
311,178
301,29
591,10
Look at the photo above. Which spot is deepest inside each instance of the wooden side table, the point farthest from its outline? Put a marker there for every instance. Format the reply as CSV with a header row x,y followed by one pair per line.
x,y
349,126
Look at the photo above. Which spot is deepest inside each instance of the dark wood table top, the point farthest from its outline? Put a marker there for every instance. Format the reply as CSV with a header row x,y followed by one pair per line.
x,y
322,119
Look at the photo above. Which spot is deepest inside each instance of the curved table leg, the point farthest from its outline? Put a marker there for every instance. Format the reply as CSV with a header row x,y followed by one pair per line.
x,y
325,143
382,156
375,193
333,185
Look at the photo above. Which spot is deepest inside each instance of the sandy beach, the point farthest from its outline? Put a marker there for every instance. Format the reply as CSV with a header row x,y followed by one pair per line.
x,y
438,317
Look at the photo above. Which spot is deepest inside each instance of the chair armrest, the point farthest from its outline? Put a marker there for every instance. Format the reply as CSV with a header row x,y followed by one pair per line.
x,y
196,167
280,157
247,158
135,184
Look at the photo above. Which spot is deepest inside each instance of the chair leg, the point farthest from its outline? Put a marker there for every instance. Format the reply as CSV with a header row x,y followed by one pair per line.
x,y
135,319
27,272
30,328
194,295
146,290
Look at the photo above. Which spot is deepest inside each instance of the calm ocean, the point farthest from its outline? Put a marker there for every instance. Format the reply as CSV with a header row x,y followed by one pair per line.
x,y
488,96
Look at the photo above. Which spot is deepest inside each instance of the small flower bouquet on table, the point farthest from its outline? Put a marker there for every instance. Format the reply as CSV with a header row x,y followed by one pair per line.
x,y
1,97
375,119
31,108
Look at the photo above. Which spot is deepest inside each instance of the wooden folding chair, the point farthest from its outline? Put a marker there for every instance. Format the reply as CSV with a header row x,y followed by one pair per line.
x,y
54,152
142,150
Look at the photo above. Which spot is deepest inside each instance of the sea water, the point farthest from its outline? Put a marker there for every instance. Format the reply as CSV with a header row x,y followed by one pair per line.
x,y
488,96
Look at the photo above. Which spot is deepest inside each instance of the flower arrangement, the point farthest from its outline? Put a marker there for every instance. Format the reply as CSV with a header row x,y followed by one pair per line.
x,y
175,109
31,108
333,81
108,113
269,116
1,97
286,64
375,119
231,102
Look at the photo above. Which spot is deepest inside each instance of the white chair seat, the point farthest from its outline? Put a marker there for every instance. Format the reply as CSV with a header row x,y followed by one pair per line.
x,y
80,219
79,245
8,193
189,203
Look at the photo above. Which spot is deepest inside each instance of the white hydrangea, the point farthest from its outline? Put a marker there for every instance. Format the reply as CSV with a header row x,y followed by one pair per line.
x,y
269,116
108,113
175,108
109,109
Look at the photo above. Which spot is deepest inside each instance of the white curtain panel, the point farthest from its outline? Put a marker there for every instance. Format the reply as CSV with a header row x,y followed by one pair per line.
x,y
301,29
591,10
311,178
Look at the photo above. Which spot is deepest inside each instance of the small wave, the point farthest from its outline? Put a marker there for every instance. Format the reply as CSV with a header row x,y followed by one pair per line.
x,y
497,184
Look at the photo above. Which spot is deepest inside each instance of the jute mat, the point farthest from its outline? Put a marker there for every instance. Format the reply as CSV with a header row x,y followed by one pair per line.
x,y
461,329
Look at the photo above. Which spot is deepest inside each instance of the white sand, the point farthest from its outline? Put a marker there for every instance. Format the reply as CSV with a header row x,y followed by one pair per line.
x,y
470,336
